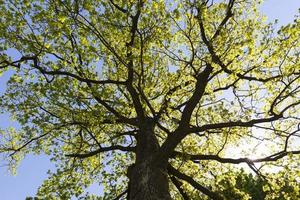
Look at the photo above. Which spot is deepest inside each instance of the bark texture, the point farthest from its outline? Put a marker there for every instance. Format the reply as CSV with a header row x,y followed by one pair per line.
x,y
148,179
148,182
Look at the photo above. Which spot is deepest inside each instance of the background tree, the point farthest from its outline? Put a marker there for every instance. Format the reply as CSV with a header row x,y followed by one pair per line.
x,y
152,99
239,184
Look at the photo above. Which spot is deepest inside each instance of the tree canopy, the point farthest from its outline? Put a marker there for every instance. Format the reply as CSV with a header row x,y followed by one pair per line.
x,y
153,99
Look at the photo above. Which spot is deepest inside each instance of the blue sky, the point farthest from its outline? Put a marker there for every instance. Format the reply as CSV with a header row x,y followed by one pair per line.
x,y
33,169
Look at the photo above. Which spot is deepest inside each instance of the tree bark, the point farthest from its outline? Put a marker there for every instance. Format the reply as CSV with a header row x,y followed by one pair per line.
x,y
148,182
148,179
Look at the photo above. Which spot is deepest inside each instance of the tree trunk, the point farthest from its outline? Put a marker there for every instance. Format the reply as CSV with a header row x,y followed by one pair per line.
x,y
148,179
148,183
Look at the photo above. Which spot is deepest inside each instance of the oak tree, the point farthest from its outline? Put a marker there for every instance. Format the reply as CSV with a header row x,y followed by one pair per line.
x,y
153,99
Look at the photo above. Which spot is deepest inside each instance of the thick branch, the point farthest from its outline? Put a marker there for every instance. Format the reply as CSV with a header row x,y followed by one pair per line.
x,y
129,84
202,80
174,139
178,184
193,183
229,14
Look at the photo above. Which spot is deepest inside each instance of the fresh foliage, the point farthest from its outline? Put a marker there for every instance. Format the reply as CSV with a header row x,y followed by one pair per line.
x,y
167,98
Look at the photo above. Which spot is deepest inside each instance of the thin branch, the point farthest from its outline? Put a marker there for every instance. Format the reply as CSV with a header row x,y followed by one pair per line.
x,y
100,150
123,10
17,64
122,194
273,157
229,124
